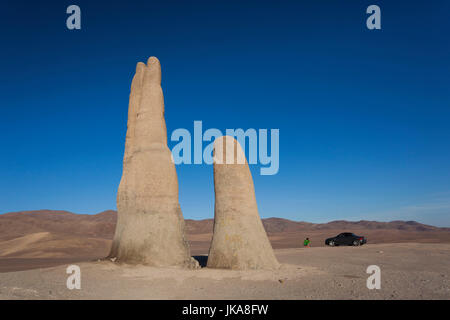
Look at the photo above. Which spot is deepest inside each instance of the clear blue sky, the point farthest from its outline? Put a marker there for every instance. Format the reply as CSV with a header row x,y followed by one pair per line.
x,y
363,115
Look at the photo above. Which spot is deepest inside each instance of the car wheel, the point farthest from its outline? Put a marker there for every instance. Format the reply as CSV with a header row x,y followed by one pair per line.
x,y
356,243
331,243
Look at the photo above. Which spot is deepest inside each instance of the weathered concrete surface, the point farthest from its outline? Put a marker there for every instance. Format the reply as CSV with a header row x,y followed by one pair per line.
x,y
239,240
150,225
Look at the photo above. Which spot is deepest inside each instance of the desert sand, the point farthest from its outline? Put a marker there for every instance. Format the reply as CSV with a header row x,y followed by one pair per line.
x,y
37,246
408,271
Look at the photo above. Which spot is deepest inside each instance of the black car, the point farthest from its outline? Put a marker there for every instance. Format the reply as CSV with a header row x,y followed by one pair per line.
x,y
346,238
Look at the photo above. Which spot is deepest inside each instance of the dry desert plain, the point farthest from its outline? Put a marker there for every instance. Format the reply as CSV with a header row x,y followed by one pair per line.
x,y
37,246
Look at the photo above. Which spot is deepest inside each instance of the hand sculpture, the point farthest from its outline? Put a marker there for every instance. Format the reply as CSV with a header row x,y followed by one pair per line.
x,y
239,239
150,225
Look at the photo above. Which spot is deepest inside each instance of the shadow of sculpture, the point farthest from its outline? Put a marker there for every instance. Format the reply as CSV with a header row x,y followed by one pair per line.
x,y
202,260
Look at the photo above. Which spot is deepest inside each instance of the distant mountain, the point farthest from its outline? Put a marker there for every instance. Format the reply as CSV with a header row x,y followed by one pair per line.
x,y
102,225
15,224
284,225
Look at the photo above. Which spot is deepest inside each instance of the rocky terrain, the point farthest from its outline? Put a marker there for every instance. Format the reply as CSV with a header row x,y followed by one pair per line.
x,y
34,239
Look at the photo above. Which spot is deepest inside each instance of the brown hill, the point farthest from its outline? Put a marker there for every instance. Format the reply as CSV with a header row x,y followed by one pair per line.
x,y
15,224
48,237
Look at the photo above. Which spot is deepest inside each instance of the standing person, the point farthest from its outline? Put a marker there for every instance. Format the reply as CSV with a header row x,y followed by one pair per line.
x,y
307,243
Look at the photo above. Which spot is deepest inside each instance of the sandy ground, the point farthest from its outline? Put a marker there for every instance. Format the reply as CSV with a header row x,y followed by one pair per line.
x,y
408,271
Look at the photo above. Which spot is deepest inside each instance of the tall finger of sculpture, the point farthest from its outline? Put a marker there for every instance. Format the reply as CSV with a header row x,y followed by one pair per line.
x,y
150,225
239,240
